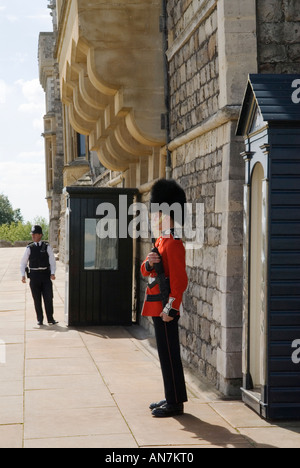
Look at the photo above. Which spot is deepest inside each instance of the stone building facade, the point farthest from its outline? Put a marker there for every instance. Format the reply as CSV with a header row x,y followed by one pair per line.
x,y
111,59
53,128
213,46
278,36
211,50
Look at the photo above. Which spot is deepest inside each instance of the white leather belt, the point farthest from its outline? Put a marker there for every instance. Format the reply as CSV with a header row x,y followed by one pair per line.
x,y
38,269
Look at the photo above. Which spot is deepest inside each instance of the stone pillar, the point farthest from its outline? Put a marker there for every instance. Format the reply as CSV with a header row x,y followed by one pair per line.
x,y
228,301
237,47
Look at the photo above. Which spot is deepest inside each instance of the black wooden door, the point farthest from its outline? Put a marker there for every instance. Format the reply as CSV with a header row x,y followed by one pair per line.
x,y
100,270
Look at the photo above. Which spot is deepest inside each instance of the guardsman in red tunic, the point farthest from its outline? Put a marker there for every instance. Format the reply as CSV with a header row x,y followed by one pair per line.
x,y
165,268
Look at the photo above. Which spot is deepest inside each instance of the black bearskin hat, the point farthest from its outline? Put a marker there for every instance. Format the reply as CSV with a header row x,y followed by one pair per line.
x,y
167,193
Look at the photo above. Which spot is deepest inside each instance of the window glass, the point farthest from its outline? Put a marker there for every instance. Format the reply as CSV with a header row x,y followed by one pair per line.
x,y
81,147
101,246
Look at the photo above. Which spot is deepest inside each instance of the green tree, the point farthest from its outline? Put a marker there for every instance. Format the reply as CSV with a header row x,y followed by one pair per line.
x,y
44,225
15,232
18,216
22,231
7,214
12,226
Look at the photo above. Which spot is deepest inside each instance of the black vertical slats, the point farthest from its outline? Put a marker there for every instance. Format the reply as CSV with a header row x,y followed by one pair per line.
x,y
98,297
284,261
270,124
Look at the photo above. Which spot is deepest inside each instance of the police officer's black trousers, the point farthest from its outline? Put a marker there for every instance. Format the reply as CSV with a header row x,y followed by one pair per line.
x,y
168,346
41,287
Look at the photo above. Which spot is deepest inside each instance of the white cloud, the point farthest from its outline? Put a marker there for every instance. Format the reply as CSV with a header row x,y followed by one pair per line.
x,y
38,124
17,173
24,185
22,106
31,155
4,91
41,17
34,96
19,58
12,18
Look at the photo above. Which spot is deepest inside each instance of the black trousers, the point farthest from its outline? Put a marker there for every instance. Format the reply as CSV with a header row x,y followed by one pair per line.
x,y
41,287
167,338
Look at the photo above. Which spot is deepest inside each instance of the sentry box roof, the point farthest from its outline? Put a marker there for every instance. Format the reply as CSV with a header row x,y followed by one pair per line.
x,y
276,97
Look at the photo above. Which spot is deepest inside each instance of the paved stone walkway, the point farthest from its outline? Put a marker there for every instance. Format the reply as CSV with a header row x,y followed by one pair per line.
x,y
72,388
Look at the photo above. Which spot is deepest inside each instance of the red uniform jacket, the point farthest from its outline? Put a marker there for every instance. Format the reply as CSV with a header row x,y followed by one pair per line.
x,y
172,252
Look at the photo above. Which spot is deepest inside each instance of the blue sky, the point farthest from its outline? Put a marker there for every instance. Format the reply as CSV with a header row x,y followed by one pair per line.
x,y
22,106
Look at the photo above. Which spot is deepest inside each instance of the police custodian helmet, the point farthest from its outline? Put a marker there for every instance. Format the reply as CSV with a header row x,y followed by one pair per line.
x,y
36,230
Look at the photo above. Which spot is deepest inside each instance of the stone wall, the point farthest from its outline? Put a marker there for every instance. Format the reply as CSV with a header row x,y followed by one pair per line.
x,y
207,58
213,46
194,71
55,207
6,244
200,332
53,127
211,325
278,36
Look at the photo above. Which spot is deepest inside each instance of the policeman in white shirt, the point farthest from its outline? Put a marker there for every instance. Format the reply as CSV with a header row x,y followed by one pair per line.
x,y
42,267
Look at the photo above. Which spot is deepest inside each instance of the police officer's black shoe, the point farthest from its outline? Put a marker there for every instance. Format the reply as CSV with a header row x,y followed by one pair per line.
x,y
53,322
153,406
168,411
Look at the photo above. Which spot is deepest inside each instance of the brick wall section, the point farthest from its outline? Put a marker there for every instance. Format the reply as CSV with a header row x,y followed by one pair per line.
x,y
200,326
180,14
212,48
193,73
210,328
278,29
